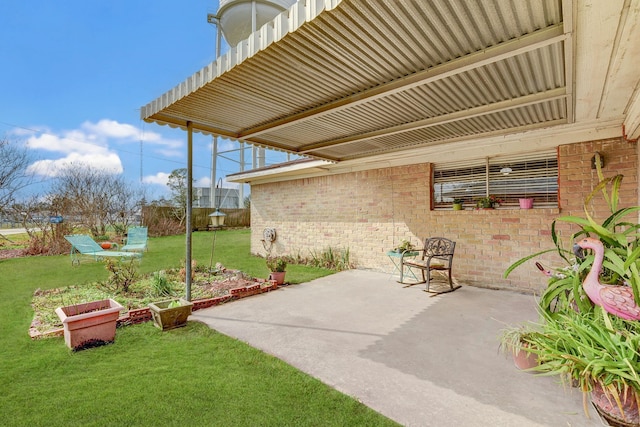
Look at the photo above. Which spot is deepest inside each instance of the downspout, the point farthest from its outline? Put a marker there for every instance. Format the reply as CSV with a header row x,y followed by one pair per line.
x,y
187,267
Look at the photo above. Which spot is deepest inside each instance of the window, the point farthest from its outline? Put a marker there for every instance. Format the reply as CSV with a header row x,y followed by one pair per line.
x,y
509,178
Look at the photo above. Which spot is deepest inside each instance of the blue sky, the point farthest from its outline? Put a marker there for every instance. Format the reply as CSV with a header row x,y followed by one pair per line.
x,y
74,75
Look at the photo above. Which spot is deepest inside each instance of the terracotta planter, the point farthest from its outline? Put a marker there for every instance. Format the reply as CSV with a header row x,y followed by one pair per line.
x,y
526,203
90,324
165,317
610,411
524,359
278,276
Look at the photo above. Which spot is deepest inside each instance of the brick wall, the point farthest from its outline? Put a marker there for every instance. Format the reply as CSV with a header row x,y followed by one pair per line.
x,y
370,212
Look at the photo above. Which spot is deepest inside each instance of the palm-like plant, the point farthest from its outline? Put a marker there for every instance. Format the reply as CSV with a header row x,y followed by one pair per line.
x,y
591,350
583,344
620,238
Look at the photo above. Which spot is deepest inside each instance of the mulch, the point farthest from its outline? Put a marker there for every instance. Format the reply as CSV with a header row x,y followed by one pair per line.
x,y
11,253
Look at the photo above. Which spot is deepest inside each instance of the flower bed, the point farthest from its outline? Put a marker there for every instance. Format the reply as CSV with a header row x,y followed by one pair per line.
x,y
227,286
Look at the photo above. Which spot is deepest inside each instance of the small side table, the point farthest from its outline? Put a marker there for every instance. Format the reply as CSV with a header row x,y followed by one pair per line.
x,y
395,259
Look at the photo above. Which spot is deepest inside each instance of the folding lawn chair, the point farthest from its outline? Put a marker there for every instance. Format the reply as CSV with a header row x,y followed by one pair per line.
x,y
82,244
136,239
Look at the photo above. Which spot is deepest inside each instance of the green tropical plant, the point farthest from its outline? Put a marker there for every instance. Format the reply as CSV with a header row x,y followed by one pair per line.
x,y
514,339
488,202
589,349
405,245
582,343
620,238
276,264
161,285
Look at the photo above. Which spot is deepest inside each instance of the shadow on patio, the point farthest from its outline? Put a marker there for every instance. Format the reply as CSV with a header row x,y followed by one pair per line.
x,y
421,361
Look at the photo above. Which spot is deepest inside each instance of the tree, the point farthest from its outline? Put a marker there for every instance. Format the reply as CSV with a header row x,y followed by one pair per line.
x,y
177,183
14,175
95,199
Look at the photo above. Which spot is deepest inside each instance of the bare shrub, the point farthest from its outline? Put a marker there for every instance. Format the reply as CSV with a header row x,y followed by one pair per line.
x,y
165,227
122,275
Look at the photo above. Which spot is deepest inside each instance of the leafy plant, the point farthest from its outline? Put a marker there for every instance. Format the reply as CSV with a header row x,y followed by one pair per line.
x,y
161,285
174,304
588,349
404,245
620,238
514,339
330,258
488,202
276,264
458,201
582,343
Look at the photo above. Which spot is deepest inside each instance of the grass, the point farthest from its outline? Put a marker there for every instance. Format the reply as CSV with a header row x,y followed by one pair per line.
x,y
190,376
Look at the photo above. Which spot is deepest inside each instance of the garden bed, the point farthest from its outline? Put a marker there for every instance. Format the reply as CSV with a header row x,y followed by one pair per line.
x,y
207,290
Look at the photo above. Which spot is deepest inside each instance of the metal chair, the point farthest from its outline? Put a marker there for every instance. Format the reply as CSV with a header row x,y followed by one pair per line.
x,y
436,255
136,239
82,244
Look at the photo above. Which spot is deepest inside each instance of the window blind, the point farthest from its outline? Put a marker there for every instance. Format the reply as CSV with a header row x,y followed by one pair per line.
x,y
510,178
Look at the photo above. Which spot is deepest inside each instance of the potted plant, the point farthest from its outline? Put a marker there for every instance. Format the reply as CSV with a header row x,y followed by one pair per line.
x,y
277,267
621,238
578,339
89,324
516,342
526,203
457,204
598,353
170,314
404,246
488,202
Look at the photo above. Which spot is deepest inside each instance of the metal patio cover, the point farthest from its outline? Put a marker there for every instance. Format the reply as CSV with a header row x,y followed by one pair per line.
x,y
343,80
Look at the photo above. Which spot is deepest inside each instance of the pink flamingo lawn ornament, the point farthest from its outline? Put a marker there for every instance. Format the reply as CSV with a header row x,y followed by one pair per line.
x,y
615,299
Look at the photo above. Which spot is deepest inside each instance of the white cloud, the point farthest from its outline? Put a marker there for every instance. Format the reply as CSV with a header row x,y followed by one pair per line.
x,y
112,129
161,178
94,144
202,182
73,142
108,162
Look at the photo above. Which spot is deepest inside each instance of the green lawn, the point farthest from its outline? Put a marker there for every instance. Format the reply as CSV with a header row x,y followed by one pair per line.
x,y
191,376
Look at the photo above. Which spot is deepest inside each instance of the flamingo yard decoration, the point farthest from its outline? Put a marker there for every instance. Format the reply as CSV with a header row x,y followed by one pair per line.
x,y
615,299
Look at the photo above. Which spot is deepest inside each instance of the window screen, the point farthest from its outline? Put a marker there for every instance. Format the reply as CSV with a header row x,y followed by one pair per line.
x,y
509,178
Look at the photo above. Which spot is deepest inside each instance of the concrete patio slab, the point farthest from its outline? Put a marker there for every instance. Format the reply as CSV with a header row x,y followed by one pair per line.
x,y
419,360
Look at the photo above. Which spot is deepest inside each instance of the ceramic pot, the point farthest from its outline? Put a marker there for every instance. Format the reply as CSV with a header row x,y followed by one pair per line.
x,y
90,324
526,203
278,276
610,411
165,317
524,359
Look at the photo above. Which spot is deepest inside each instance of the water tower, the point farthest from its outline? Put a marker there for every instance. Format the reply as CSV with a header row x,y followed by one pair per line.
x,y
239,18
236,20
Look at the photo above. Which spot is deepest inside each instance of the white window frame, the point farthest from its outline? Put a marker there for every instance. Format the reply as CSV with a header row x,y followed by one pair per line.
x,y
532,175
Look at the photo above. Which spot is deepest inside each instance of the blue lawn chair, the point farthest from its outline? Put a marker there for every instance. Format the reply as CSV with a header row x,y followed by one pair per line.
x,y
136,239
82,244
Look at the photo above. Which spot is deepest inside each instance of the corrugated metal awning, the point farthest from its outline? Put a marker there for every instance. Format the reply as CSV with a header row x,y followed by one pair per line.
x,y
340,80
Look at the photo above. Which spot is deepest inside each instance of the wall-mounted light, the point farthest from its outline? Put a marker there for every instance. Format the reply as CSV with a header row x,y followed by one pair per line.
x,y
506,170
597,157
